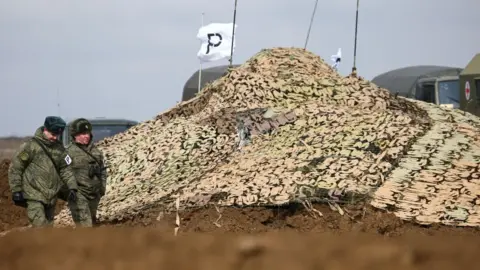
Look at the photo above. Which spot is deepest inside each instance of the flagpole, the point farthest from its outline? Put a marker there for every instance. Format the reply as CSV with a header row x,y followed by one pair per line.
x,y
200,70
354,68
310,26
233,32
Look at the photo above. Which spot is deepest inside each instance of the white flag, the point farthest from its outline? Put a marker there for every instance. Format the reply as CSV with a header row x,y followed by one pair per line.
x,y
216,41
337,58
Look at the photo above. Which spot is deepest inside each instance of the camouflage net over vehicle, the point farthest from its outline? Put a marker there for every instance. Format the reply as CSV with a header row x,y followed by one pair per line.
x,y
285,127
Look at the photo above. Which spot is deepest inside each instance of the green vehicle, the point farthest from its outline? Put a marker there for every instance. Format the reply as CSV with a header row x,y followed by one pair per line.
x,y
102,128
470,86
434,84
444,86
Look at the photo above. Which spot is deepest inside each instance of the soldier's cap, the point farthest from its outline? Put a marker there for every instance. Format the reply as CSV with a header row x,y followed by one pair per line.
x,y
54,124
79,126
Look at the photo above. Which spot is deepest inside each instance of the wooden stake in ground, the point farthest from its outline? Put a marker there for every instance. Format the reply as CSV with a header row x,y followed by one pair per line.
x,y
177,218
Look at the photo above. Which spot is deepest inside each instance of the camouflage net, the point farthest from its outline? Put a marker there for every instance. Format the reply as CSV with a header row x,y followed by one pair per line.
x,y
285,127
438,181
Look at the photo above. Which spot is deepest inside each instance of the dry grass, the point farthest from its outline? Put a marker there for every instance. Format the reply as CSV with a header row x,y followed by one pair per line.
x,y
8,146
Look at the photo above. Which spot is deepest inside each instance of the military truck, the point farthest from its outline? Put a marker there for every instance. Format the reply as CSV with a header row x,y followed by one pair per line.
x,y
469,81
209,75
441,85
102,128
433,84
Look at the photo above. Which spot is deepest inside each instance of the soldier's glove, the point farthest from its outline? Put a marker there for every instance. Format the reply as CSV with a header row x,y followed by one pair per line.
x,y
72,195
18,199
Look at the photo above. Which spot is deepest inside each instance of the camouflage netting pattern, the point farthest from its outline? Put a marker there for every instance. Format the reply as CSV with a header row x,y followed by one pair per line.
x,y
285,127
438,181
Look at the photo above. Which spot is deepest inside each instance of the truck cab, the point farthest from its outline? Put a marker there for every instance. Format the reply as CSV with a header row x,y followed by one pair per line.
x,y
101,128
439,85
443,91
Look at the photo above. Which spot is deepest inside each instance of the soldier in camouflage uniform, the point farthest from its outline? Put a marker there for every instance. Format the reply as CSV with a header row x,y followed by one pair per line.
x,y
38,170
90,172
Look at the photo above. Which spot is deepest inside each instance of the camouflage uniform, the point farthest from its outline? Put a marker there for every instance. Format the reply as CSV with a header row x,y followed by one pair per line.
x,y
33,177
90,173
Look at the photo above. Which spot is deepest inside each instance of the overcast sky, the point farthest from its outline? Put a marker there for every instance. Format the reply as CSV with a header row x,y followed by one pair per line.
x,y
130,59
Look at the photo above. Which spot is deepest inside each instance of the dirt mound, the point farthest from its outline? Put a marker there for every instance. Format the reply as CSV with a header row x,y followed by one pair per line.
x,y
265,238
11,216
148,249
356,218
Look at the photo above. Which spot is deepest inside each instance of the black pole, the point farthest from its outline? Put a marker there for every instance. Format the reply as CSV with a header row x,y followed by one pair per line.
x,y
310,26
233,32
354,68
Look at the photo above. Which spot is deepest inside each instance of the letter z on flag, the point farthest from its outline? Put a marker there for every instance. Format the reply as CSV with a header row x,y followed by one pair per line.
x,y
216,40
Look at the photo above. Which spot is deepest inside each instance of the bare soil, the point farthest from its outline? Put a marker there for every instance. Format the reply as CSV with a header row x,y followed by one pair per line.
x,y
147,248
11,216
238,238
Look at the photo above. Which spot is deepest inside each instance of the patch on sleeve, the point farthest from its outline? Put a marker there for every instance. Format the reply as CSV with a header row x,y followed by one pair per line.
x,y
68,160
23,156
